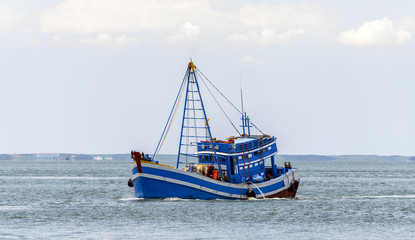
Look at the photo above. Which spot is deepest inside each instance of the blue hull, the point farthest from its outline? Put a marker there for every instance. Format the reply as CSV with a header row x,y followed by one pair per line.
x,y
158,181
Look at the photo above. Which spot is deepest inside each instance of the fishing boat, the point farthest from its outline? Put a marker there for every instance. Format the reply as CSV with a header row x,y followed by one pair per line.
x,y
240,167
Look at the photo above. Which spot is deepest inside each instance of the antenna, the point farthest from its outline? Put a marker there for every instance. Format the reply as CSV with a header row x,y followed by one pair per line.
x,y
242,100
242,103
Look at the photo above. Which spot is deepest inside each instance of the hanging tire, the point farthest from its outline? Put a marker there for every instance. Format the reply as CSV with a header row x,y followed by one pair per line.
x,y
250,193
130,183
294,186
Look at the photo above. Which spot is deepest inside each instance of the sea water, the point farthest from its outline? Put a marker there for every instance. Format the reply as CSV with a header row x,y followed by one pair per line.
x,y
339,199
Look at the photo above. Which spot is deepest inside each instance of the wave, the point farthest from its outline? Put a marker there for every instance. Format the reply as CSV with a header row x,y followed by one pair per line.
x,y
390,196
14,208
312,198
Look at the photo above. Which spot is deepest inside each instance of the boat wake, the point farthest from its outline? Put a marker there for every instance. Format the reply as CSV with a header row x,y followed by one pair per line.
x,y
176,199
132,199
179,199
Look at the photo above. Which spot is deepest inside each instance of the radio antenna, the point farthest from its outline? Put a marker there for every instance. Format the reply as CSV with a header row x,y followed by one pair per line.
x,y
242,104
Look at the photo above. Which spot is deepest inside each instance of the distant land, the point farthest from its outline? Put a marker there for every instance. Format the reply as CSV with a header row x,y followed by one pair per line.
x,y
73,156
63,156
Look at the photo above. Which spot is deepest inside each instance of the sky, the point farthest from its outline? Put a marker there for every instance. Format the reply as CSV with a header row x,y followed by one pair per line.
x,y
100,76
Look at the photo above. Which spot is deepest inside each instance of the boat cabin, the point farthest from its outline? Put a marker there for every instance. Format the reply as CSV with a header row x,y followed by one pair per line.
x,y
240,160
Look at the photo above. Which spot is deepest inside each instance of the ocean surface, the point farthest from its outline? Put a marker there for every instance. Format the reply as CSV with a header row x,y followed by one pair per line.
x,y
347,198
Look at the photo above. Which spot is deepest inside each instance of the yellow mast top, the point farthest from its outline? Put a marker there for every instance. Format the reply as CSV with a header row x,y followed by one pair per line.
x,y
191,66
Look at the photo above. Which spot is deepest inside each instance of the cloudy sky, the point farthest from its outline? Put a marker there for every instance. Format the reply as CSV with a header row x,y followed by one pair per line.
x,y
100,76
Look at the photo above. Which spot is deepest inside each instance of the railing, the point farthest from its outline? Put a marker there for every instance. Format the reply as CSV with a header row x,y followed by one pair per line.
x,y
225,147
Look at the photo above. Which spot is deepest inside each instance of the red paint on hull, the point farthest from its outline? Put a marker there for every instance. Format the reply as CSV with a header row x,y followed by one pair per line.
x,y
137,157
287,193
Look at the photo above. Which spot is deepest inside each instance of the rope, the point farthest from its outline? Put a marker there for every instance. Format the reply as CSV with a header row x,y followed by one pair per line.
x,y
219,105
228,101
263,196
170,120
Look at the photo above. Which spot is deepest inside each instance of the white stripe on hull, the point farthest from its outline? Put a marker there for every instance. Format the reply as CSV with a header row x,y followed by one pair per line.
x,y
287,178
225,184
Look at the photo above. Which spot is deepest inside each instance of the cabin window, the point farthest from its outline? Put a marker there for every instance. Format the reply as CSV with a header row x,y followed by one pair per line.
x,y
232,165
268,161
255,153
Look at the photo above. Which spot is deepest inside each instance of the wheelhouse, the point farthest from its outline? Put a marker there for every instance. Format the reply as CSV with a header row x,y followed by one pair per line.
x,y
240,159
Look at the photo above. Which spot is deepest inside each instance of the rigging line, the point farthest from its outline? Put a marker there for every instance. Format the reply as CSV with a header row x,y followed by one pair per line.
x,y
218,90
194,113
168,127
227,99
219,105
187,133
263,196
170,119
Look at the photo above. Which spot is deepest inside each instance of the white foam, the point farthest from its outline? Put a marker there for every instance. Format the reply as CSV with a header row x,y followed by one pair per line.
x,y
179,199
13,208
132,199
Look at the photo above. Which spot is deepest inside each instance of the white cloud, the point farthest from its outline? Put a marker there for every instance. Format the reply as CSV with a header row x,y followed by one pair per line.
x,y
181,21
407,24
374,33
187,32
271,36
282,17
126,40
105,39
251,35
124,16
164,16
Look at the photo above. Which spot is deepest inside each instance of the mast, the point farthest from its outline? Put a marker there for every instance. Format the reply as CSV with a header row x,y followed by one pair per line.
x,y
192,79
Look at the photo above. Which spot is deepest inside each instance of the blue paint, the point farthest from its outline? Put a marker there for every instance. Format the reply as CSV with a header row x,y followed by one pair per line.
x,y
152,188
237,162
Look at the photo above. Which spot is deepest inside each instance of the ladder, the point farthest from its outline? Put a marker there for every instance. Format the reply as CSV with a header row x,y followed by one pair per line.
x,y
195,125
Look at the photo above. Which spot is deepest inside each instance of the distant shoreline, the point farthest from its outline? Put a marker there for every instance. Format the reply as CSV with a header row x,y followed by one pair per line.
x,y
282,157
